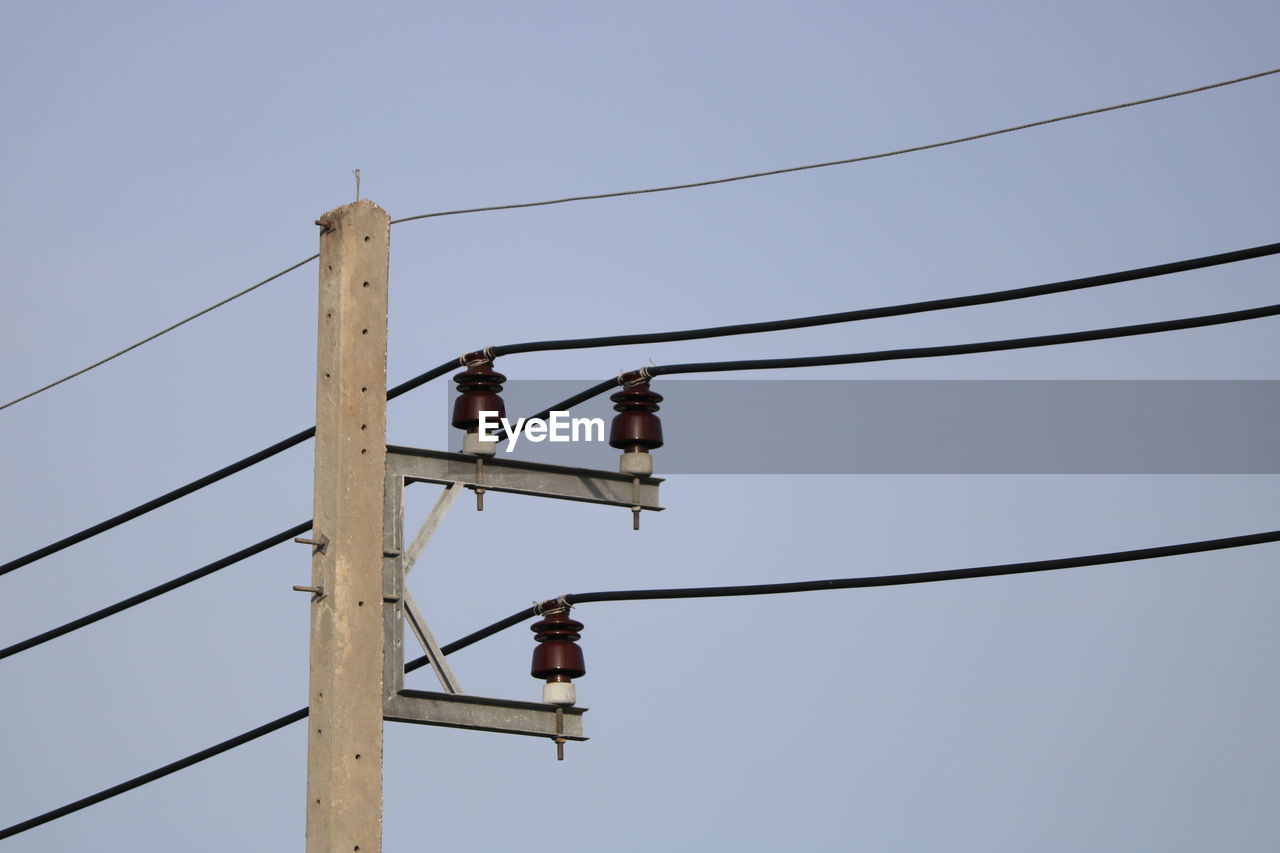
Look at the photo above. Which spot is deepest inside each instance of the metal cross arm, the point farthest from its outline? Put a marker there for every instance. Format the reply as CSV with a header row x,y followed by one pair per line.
x,y
490,715
411,464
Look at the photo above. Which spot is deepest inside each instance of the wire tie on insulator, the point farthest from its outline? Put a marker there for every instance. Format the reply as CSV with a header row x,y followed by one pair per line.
x,y
559,604
471,359
635,377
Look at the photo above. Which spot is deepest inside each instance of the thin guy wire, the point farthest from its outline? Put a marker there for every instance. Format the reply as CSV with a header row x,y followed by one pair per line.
x,y
653,594
670,188
164,331
844,162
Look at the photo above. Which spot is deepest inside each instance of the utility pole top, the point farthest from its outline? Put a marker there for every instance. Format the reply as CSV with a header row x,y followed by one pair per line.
x,y
338,215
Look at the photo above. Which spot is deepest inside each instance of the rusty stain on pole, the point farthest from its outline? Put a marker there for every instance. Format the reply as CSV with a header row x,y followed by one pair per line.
x,y
344,741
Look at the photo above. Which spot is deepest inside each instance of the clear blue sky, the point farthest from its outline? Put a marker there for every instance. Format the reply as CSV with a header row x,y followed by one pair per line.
x,y
158,156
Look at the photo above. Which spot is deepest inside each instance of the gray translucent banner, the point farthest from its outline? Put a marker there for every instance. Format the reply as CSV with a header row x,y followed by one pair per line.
x,y
725,426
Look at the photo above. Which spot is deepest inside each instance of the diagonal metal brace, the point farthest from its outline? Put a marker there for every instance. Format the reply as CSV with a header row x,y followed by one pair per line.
x,y
428,528
413,615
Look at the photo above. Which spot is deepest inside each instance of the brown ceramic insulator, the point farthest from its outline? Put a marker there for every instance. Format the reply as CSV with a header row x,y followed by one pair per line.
x,y
558,656
478,388
636,427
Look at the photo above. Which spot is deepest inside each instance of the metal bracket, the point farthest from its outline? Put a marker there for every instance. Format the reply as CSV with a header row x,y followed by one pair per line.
x,y
457,471
319,543
490,715
448,680
524,478
428,528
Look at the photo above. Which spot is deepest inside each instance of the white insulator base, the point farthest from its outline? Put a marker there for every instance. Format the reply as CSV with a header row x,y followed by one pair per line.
x,y
559,693
472,444
637,463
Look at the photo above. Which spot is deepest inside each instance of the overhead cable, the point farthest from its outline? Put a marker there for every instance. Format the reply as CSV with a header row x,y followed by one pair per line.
x,y
654,594
860,159
156,591
163,331
918,352
155,503
896,310
661,337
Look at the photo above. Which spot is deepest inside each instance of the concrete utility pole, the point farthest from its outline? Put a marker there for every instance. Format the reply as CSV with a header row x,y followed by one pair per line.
x,y
360,604
344,740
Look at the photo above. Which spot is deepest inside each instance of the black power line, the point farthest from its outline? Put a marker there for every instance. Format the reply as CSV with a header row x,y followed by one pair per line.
x,y
158,773
207,480
700,367
224,746
965,349
921,352
660,337
156,591
654,594
930,577
898,310
155,503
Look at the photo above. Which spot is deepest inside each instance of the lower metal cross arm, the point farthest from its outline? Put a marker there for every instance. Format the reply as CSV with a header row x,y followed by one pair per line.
x,y
490,715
